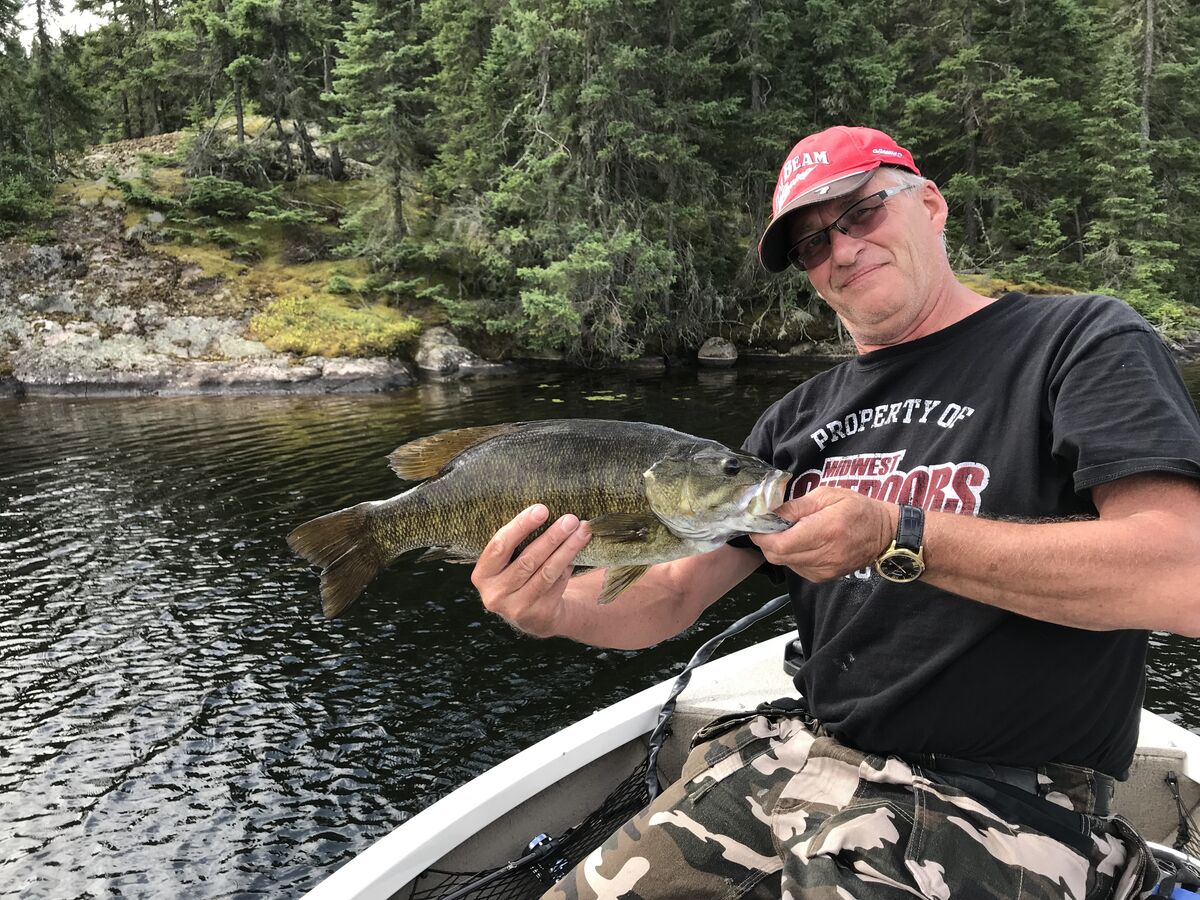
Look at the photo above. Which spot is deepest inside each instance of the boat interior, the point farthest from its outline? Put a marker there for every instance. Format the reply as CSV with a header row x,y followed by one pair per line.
x,y
546,790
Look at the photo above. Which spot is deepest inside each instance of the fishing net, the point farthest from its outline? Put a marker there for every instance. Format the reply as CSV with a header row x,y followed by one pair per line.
x,y
541,867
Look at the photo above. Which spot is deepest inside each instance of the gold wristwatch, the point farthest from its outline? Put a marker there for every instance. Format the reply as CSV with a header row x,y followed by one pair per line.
x,y
904,560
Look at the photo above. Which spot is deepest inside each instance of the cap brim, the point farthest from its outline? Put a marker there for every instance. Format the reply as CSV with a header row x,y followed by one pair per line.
x,y
773,246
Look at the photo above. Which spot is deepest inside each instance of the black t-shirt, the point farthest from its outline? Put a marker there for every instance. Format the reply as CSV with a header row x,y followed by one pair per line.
x,y
1015,411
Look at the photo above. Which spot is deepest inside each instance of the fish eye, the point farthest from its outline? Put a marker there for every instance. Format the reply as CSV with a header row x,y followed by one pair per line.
x,y
731,466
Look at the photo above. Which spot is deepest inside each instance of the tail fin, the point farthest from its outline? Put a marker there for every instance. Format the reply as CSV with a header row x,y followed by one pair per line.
x,y
348,555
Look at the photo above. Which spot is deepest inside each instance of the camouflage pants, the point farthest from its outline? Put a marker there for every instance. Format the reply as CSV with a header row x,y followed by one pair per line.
x,y
771,807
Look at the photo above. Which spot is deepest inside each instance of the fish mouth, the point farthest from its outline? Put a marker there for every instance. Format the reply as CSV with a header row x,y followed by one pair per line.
x,y
751,513
761,504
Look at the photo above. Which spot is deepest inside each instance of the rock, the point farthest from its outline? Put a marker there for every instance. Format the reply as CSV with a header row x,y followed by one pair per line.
x,y
717,353
439,336
112,203
444,360
155,218
357,375
482,368
192,277
48,303
121,318
233,347
440,355
646,364
192,336
137,232
42,261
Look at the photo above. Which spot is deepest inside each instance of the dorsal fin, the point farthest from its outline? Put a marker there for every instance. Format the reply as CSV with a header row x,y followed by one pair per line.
x,y
425,457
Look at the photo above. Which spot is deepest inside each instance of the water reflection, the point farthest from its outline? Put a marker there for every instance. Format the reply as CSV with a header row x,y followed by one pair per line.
x,y
178,718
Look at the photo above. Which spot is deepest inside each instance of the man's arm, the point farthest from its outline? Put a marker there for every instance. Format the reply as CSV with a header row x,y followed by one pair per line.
x,y
1136,566
536,593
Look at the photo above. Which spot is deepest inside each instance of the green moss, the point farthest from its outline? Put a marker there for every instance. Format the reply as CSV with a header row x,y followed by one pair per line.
x,y
76,189
323,325
994,286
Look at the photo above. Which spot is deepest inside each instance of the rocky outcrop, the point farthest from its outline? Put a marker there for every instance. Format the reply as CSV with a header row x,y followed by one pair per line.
x,y
188,355
717,353
95,314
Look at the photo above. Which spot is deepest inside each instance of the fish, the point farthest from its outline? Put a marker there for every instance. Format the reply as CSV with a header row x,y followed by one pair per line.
x,y
650,494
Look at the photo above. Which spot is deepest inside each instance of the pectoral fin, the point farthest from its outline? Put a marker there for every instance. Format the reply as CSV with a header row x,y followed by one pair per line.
x,y
625,528
425,457
617,579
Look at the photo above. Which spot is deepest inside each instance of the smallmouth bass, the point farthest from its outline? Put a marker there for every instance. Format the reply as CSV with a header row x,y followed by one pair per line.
x,y
649,494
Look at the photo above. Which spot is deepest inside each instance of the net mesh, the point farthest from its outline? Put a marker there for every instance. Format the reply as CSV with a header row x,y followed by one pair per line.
x,y
533,877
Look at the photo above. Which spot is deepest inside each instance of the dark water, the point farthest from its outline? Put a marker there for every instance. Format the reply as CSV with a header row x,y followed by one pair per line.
x,y
175,717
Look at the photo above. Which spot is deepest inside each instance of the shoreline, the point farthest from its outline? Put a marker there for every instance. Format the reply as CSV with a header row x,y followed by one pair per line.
x,y
318,375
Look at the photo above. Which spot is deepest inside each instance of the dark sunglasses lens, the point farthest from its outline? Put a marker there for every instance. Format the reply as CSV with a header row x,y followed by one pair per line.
x,y
861,220
810,252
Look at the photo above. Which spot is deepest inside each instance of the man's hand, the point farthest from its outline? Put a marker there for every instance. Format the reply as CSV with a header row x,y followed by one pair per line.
x,y
837,531
528,591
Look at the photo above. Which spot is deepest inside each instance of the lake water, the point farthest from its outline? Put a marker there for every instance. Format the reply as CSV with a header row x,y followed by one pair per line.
x,y
177,719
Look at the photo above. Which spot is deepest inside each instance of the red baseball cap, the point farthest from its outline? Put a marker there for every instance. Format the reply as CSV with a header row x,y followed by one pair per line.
x,y
825,165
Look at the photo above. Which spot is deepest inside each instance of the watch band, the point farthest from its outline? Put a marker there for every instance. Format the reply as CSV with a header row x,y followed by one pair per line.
x,y
910,530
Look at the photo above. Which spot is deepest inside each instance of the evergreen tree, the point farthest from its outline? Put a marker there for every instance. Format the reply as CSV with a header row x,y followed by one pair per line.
x,y
381,101
1126,242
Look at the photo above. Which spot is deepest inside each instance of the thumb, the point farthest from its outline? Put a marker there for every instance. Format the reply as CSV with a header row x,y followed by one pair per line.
x,y
798,507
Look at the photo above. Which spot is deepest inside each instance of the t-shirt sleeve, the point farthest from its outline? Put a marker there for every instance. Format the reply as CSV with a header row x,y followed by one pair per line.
x,y
1119,407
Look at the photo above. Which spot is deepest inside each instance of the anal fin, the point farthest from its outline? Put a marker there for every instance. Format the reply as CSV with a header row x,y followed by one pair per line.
x,y
447,554
618,579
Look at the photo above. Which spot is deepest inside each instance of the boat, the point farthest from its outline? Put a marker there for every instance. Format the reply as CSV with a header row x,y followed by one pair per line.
x,y
512,831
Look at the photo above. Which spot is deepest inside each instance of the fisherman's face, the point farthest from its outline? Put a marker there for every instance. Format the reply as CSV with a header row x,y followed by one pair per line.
x,y
884,282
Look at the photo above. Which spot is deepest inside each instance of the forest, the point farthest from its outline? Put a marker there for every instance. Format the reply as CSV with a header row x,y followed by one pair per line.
x,y
589,177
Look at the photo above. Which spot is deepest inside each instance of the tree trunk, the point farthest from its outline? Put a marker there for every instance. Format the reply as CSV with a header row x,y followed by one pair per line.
x,y
970,226
308,157
1147,73
337,171
240,112
396,191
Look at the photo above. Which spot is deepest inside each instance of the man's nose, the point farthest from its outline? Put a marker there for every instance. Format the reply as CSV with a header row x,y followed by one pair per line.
x,y
842,247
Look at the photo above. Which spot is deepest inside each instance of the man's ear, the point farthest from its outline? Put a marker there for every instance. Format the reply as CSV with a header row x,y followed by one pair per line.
x,y
935,205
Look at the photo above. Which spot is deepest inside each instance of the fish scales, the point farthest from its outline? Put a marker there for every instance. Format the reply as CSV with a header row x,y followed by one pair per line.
x,y
649,493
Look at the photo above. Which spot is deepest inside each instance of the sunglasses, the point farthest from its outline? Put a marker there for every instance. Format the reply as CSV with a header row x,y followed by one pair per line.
x,y
858,221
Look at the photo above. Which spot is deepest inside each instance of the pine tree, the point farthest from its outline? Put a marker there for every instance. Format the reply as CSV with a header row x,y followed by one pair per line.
x,y
381,101
1126,242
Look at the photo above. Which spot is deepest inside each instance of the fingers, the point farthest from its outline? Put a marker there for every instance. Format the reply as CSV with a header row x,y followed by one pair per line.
x,y
500,548
836,531
527,591
545,559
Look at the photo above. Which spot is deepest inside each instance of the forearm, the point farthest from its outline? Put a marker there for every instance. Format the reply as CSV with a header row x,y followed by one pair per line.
x,y
1096,574
662,603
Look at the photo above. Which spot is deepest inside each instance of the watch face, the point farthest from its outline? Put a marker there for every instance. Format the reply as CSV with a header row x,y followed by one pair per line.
x,y
901,566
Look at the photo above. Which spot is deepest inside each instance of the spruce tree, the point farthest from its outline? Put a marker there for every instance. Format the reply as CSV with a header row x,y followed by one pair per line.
x,y
1126,241
380,102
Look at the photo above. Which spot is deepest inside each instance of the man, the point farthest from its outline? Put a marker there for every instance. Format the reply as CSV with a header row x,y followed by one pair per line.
x,y
994,502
